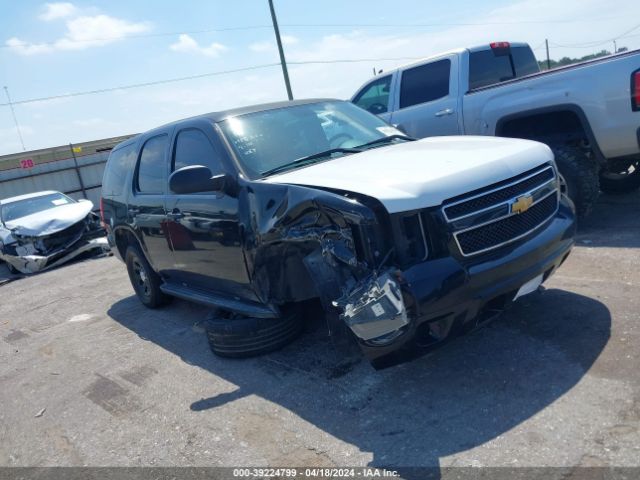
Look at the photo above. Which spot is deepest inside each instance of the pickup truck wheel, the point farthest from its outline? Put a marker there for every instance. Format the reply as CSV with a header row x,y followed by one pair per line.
x,y
620,179
144,280
241,337
580,173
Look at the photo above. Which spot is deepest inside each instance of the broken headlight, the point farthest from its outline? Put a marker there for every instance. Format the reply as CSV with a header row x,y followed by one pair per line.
x,y
410,238
375,309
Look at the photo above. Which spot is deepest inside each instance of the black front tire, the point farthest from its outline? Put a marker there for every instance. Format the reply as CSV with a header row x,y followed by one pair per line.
x,y
580,171
622,179
241,337
145,281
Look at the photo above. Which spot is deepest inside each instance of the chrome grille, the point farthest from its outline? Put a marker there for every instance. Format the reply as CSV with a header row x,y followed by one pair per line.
x,y
494,197
488,220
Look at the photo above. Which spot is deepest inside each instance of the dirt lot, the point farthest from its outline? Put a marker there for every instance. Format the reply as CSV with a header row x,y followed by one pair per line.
x,y
555,382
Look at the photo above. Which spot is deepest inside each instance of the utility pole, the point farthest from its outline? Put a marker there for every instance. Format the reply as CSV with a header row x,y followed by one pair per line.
x,y
546,42
15,120
615,47
77,169
283,62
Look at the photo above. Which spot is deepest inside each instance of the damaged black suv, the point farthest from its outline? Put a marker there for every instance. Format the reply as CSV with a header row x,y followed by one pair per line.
x,y
256,210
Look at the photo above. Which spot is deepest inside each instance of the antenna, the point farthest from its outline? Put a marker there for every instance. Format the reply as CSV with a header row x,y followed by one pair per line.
x,y
15,120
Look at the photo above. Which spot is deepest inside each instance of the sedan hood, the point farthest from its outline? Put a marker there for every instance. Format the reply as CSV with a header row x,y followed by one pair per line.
x,y
424,173
50,221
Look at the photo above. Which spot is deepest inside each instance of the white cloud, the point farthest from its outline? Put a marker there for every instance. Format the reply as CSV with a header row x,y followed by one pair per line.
x,y
54,11
186,44
261,47
25,48
82,32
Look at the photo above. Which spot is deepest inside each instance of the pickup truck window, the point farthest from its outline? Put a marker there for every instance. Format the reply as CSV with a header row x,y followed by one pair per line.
x,y
265,140
375,96
151,168
488,68
425,83
194,148
121,161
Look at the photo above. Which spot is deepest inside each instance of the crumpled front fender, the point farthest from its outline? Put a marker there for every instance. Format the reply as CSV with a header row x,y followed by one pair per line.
x,y
286,223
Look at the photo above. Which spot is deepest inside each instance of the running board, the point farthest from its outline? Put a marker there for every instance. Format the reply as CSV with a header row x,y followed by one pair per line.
x,y
248,309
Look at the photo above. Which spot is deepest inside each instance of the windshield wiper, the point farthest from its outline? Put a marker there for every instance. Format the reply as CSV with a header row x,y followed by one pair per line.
x,y
308,158
389,139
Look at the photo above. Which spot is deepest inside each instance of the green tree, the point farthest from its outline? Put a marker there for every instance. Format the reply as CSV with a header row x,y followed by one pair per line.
x,y
570,61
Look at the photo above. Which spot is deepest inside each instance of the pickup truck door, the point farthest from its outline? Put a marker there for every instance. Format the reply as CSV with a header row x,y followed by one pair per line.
x,y
425,100
204,227
375,96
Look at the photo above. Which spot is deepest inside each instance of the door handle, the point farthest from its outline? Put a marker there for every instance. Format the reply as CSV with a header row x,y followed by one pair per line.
x,y
446,111
175,215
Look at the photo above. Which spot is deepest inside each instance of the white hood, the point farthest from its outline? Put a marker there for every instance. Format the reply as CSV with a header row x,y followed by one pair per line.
x,y
424,173
51,220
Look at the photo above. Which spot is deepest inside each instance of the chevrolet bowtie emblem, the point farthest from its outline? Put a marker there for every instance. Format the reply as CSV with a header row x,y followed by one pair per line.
x,y
522,204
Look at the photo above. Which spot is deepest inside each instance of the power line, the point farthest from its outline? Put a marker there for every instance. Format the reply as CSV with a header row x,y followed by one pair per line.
x,y
442,24
140,35
138,85
354,60
195,77
302,25
595,43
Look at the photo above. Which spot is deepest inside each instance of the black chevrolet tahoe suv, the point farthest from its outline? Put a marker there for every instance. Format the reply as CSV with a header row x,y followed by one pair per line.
x,y
404,242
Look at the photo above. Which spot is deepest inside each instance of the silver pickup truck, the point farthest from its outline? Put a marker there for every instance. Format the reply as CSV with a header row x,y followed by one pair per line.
x,y
588,113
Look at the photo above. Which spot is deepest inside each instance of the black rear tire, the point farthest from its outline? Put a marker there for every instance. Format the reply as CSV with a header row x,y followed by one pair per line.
x,y
625,179
145,281
580,171
242,337
12,270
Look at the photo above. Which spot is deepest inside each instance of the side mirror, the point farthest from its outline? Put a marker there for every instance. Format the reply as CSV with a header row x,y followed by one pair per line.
x,y
198,178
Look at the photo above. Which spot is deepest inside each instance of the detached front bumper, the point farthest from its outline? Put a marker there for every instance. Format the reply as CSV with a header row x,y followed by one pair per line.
x,y
445,297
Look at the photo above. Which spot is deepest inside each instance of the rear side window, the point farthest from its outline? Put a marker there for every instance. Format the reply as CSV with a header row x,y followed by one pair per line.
x,y
194,148
425,83
524,61
121,162
151,168
488,68
375,96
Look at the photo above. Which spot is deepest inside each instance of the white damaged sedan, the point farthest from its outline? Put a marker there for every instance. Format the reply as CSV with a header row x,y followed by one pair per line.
x,y
44,229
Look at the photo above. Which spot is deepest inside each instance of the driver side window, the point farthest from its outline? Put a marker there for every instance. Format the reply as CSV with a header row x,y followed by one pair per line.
x,y
194,148
375,96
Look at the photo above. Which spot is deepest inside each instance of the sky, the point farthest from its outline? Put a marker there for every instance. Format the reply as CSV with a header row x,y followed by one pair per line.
x,y
58,48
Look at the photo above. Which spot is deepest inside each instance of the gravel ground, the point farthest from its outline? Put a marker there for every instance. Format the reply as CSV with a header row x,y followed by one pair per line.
x,y
90,377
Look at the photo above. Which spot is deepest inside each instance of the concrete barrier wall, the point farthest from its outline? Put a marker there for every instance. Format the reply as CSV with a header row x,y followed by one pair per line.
x,y
79,178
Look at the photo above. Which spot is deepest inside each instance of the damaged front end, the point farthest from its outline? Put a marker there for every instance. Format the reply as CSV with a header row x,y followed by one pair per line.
x,y
310,243
31,252
386,286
